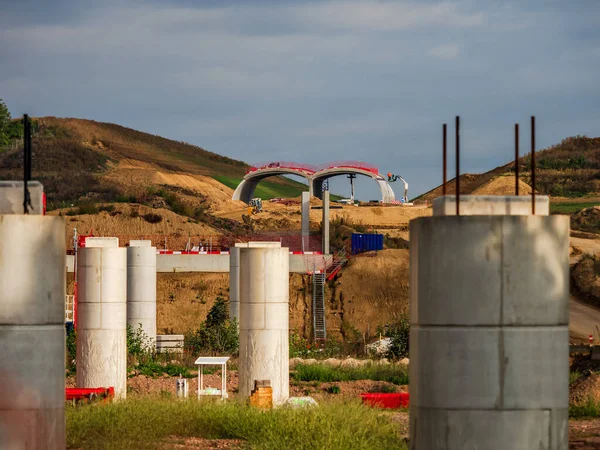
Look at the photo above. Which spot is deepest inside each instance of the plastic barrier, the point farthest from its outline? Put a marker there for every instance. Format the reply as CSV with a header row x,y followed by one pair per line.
x,y
393,400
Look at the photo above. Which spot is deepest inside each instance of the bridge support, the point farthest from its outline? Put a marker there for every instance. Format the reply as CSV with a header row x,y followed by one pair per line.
x,y
489,365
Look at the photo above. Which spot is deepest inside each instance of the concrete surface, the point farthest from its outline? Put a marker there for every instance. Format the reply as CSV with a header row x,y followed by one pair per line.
x,y
11,197
102,318
234,283
32,333
141,287
325,221
264,320
489,332
305,211
494,205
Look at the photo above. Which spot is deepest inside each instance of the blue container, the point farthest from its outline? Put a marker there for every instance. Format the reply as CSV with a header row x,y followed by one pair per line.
x,y
363,242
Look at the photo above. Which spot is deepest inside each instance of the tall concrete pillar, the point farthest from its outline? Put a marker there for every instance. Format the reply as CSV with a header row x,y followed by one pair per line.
x,y
141,287
264,318
234,283
305,219
101,327
325,225
32,332
489,358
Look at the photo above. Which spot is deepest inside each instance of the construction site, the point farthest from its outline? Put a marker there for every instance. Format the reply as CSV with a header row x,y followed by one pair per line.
x,y
180,271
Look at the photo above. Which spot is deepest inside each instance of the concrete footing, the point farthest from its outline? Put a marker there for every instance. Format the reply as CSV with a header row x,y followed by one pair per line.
x,y
489,332
32,332
102,319
264,318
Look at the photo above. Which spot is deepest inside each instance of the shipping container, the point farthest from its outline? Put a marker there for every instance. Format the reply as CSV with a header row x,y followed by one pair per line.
x,y
366,242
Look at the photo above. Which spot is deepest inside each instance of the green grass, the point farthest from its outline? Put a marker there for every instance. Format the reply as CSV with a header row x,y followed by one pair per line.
x,y
323,373
570,207
267,189
574,376
146,423
588,409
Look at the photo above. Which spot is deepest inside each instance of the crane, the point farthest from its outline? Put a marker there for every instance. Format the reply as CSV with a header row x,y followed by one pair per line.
x,y
392,178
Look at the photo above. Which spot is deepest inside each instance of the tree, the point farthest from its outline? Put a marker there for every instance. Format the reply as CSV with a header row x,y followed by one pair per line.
x,y
5,122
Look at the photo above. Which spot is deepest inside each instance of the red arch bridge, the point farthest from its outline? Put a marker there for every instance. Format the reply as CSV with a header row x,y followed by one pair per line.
x,y
314,175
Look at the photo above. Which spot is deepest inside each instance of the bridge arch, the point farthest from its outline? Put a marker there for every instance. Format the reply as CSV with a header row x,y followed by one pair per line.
x,y
317,179
246,188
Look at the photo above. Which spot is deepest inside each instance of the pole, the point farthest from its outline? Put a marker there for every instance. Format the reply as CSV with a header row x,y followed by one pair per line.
x,y
533,165
444,154
516,159
457,128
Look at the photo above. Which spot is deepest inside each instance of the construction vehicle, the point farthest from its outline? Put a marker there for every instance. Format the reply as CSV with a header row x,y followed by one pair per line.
x,y
392,178
255,206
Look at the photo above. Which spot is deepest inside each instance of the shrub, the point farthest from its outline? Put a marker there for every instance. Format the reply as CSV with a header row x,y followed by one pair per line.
x,y
138,342
398,333
71,349
589,408
334,389
217,334
87,209
152,218
326,374
383,388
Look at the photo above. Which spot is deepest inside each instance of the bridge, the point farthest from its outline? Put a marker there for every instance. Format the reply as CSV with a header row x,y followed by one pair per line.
x,y
314,176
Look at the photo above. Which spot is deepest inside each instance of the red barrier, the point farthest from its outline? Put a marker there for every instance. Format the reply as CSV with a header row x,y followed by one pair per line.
x,y
89,393
393,400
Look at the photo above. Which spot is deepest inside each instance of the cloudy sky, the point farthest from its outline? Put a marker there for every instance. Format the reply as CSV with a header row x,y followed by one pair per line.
x,y
313,81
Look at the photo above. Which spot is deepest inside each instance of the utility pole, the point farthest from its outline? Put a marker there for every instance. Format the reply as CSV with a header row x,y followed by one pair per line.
x,y
352,176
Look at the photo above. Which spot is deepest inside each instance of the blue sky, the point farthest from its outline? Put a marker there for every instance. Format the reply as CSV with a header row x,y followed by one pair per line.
x,y
313,81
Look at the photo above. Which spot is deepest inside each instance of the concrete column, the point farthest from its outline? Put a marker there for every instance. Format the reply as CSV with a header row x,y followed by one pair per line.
x,y
305,219
141,287
32,332
326,223
489,359
234,283
264,318
101,327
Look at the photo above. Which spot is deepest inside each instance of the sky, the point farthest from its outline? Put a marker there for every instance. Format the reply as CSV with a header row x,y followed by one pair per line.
x,y
314,81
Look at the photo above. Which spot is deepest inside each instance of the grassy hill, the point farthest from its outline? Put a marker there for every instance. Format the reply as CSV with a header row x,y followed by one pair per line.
x,y
72,158
568,172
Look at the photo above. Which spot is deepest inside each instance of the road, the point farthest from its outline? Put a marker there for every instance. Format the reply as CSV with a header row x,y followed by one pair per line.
x,y
583,318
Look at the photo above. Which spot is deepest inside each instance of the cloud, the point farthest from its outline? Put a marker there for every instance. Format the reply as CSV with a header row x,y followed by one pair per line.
x,y
445,51
311,80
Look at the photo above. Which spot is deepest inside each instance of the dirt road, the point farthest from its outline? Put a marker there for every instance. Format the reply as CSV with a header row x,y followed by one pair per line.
x,y
583,318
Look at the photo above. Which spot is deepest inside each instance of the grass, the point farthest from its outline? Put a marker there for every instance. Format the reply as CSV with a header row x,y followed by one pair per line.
x,y
570,207
588,409
266,190
574,376
323,373
146,423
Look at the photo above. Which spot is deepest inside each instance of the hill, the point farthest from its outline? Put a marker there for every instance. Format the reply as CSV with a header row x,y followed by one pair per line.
x,y
568,172
80,161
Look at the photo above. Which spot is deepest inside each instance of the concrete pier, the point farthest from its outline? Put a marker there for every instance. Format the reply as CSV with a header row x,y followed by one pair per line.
x,y
264,318
234,283
489,332
32,332
325,224
101,331
305,219
141,287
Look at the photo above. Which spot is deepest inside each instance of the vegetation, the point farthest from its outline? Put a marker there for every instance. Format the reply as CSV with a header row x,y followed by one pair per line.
x,y
217,334
570,207
152,423
587,409
376,372
267,189
398,333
